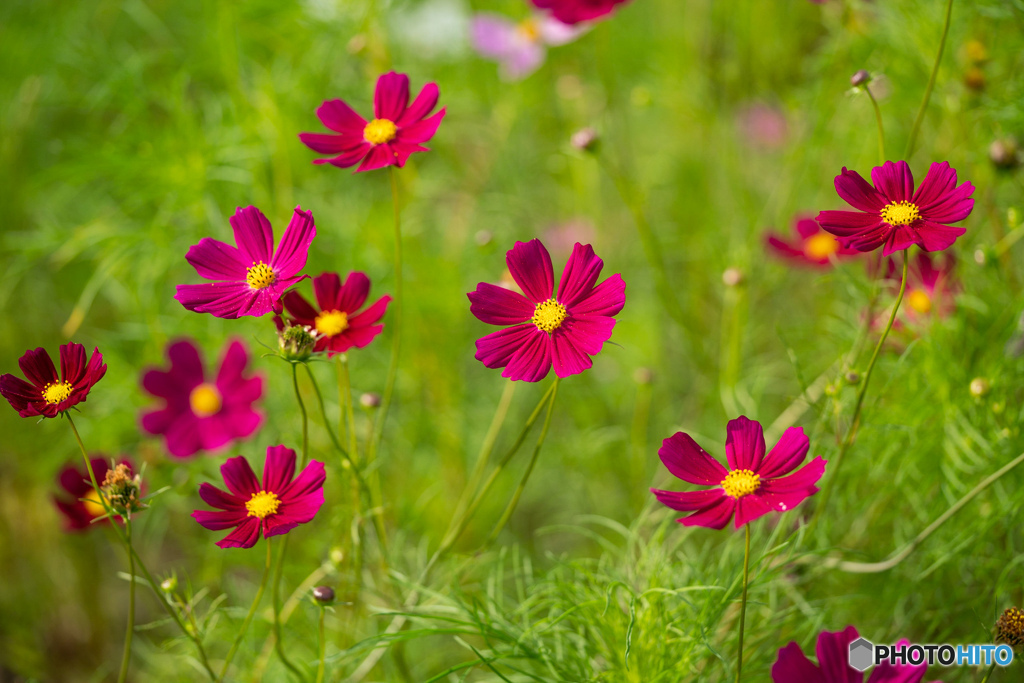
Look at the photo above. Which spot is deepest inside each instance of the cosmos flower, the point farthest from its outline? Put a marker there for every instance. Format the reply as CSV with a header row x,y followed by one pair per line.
x,y
754,485
46,394
574,11
809,246
339,326
397,130
519,48
892,215
763,125
81,504
792,665
563,331
278,505
202,411
249,279
931,285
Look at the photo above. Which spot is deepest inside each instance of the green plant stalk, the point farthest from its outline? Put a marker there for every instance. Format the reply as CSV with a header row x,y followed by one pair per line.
x,y
171,612
851,433
878,122
305,418
916,128
743,604
529,468
346,403
248,617
126,658
988,674
323,649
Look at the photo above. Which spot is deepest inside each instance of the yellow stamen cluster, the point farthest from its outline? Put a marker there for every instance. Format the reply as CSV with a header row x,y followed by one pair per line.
x,y
900,213
205,400
820,246
55,392
739,483
260,275
1010,628
919,300
548,315
330,323
379,131
262,504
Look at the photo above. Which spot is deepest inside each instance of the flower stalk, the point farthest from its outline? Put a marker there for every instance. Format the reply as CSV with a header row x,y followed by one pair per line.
x,y
743,603
248,617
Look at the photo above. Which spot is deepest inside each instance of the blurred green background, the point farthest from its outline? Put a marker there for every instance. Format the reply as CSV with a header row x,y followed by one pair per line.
x,y
131,129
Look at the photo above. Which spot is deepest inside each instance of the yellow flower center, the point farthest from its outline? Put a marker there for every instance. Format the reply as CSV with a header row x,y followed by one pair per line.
x,y
548,315
262,504
900,213
330,323
739,483
920,301
205,400
528,29
820,246
379,131
55,392
260,276
93,506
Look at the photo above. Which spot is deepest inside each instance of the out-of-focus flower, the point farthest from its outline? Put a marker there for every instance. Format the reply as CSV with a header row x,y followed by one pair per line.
x,y
861,77
763,125
974,79
81,504
46,393
562,237
931,286
1003,153
892,215
249,279
545,330
754,484
585,139
809,246
397,130
202,411
792,665
339,327
278,505
575,11
518,47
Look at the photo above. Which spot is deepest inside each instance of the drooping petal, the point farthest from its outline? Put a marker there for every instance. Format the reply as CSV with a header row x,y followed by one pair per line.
x,y
391,96
792,666
686,501
531,361
245,536
421,106
278,469
744,444
714,516
340,117
784,457
858,193
239,477
833,656
253,235
607,299
579,276
530,266
215,260
894,181
689,462
293,250
495,350
499,306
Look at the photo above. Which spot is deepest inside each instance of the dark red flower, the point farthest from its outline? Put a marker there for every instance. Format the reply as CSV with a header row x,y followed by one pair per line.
x,y
337,322
82,503
49,394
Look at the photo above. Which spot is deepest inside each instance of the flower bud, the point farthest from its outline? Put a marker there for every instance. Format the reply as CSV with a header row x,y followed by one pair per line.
x,y
121,490
585,140
980,386
732,277
323,595
853,377
370,400
296,342
169,585
1010,628
980,257
862,77
1003,153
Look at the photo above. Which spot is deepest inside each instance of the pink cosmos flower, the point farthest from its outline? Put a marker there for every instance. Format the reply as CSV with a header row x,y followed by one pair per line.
x,y
396,131
278,505
564,330
810,246
763,125
46,394
893,215
249,279
792,665
519,48
931,285
201,414
574,11
81,504
339,325
754,484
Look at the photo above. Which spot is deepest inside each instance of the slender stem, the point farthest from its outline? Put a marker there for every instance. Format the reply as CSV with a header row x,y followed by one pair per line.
x,y
123,676
988,674
345,400
931,83
878,120
345,389
743,604
248,617
529,468
323,649
275,594
851,432
305,418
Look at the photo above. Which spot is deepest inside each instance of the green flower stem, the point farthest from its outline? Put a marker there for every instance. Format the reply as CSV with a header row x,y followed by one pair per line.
x,y
153,584
323,649
529,468
743,604
345,401
130,630
878,121
851,432
248,617
931,84
305,418
275,595
988,674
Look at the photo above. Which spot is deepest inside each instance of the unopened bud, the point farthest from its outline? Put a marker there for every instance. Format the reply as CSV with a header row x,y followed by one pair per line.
x,y
732,277
980,257
296,342
831,389
169,584
862,77
323,595
980,386
585,139
1003,153
853,377
337,556
370,400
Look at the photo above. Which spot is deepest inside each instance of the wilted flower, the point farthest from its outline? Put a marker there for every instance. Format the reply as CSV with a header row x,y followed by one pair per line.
x,y
122,489
46,393
792,665
518,47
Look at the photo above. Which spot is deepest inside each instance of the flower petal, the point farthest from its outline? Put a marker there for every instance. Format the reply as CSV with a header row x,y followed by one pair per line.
x,y
499,306
239,477
894,181
379,156
607,299
579,275
714,516
566,358
689,462
833,656
532,360
858,193
348,158
391,96
496,349
245,536
898,673
750,508
278,469
744,444
293,250
221,299
685,501
530,266
72,363
421,106
340,117
309,481
328,143
784,457
792,666
215,260
222,500
253,235
300,309
371,315
352,295
37,367
421,131
588,332
219,520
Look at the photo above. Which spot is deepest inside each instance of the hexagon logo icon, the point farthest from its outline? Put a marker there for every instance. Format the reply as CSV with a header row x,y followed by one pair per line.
x,y
861,654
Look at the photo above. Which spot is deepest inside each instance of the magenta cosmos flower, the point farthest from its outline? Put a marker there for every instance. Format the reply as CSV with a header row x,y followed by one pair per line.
x,y
518,47
754,485
278,505
46,394
546,330
249,279
833,666
201,411
575,11
810,245
81,504
336,320
397,130
892,215
931,286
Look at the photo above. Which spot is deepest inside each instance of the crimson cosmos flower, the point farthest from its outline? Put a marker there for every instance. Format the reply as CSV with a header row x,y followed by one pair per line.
x,y
575,11
48,393
201,414
276,506
754,484
249,279
931,286
339,325
82,504
792,665
810,246
892,214
563,331
396,131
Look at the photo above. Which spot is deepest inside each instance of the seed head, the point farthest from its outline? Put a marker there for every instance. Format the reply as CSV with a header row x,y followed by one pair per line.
x,y
121,490
1010,628
296,342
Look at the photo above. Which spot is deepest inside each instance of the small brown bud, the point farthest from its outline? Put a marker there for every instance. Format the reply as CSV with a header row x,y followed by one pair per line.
x,y
323,595
862,77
